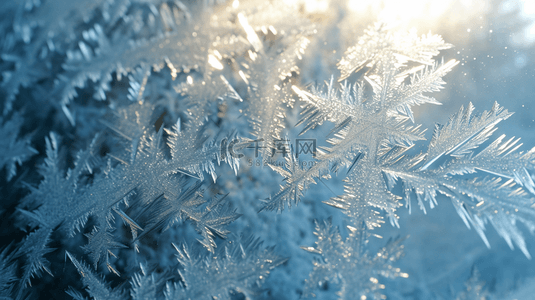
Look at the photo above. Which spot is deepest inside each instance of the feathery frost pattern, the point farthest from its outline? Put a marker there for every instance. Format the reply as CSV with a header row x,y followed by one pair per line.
x,y
15,149
348,263
241,266
130,124
372,137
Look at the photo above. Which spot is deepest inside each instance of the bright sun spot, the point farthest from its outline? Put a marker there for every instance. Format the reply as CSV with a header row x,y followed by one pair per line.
x,y
402,10
430,14
419,11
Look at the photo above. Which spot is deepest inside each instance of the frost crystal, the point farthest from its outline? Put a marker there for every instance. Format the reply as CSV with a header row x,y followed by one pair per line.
x,y
373,134
240,267
14,150
185,88
95,286
349,265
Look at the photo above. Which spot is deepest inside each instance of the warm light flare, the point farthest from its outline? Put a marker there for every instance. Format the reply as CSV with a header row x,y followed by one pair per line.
x,y
316,6
311,6
214,62
404,10
429,14
251,34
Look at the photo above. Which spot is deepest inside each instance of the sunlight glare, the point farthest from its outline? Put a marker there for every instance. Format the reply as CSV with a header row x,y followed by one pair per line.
x,y
394,10
429,14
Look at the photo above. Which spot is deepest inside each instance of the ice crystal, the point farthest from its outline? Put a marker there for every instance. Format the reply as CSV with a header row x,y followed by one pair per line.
x,y
241,267
348,264
15,149
185,88
372,137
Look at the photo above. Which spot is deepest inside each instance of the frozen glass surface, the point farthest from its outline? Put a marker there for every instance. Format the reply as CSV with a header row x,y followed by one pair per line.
x,y
243,149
